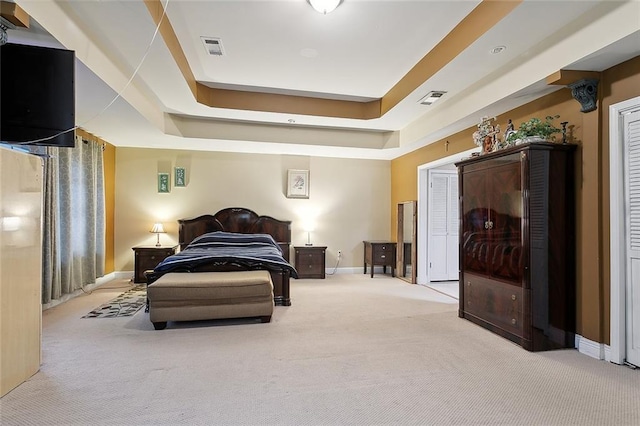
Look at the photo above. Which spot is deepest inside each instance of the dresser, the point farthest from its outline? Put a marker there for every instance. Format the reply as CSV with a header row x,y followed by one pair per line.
x,y
517,244
148,257
310,261
381,253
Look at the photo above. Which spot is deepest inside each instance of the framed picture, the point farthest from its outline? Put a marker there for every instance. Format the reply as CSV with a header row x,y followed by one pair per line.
x,y
298,184
163,182
180,178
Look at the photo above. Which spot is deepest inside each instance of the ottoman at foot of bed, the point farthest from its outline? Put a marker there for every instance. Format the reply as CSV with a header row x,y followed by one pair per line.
x,y
195,296
160,325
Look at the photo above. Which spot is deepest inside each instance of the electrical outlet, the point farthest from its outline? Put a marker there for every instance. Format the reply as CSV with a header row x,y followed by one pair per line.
x,y
339,253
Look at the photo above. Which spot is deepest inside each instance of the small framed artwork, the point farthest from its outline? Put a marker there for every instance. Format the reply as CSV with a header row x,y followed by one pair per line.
x,y
163,182
298,184
180,177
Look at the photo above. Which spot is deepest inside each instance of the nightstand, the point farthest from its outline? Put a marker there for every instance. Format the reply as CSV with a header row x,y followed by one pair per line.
x,y
380,253
148,257
310,261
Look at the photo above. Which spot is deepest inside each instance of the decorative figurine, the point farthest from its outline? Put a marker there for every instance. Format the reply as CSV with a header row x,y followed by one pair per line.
x,y
486,135
510,129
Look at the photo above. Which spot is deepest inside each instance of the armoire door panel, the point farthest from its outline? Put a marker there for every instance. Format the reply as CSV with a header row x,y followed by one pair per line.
x,y
506,219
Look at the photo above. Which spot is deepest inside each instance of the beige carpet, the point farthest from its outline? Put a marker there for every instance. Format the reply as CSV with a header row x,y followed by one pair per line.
x,y
351,350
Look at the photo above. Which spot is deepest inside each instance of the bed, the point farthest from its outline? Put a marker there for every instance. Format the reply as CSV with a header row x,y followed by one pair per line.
x,y
222,229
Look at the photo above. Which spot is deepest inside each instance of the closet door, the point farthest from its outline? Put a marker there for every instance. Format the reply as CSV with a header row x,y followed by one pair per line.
x,y
444,226
632,213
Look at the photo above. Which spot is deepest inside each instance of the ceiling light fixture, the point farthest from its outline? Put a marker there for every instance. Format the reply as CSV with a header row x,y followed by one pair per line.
x,y
324,6
431,97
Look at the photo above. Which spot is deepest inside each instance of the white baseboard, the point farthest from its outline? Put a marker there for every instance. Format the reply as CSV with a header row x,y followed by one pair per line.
x,y
357,270
87,288
102,280
593,349
120,275
607,353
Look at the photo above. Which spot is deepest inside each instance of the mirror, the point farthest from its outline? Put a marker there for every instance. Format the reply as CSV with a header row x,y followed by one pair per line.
x,y
407,251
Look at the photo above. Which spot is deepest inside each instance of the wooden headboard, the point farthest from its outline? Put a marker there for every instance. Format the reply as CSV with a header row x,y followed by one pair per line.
x,y
236,219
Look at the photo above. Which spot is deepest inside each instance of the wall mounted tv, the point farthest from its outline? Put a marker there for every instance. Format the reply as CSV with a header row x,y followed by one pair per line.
x,y
37,95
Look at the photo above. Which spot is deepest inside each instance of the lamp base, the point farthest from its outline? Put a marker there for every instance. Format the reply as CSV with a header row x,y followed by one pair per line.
x,y
308,244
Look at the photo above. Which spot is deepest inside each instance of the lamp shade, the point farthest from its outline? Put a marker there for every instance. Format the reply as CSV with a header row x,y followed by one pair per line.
x,y
325,6
157,228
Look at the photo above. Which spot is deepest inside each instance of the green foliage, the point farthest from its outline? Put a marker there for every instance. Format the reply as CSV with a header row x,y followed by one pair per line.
x,y
536,127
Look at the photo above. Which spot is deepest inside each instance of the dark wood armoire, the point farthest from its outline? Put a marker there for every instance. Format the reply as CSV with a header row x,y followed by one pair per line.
x,y
517,244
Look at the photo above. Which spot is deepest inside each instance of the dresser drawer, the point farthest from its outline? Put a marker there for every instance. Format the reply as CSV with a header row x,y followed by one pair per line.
x,y
383,254
499,304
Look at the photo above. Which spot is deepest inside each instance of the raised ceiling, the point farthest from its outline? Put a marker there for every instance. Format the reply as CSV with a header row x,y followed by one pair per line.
x,y
293,81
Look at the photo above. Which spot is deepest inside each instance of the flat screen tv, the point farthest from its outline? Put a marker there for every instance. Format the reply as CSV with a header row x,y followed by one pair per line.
x,y
37,95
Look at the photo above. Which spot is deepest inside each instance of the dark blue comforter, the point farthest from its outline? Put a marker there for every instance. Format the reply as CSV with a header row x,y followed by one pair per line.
x,y
251,251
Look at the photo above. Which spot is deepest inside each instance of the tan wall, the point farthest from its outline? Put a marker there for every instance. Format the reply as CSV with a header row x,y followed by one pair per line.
x,y
590,132
349,199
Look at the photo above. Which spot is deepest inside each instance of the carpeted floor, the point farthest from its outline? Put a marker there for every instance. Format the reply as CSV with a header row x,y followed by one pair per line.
x,y
351,350
125,305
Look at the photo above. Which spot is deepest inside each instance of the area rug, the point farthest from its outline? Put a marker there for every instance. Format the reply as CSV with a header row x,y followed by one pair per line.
x,y
125,305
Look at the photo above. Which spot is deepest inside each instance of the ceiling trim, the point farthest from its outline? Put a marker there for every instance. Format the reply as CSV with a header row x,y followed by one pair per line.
x,y
158,13
14,14
190,127
566,77
482,18
292,104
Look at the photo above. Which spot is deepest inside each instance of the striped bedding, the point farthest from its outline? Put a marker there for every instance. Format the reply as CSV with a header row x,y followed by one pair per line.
x,y
251,251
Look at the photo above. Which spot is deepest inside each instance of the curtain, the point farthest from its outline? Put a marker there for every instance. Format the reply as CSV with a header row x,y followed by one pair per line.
x,y
74,223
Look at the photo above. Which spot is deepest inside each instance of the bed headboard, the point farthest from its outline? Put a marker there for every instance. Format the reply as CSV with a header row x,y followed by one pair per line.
x,y
236,219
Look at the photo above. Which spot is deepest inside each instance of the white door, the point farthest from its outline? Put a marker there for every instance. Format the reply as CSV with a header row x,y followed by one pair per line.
x,y
632,214
443,226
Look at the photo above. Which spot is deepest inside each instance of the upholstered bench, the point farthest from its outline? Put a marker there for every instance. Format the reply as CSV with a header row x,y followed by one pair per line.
x,y
190,296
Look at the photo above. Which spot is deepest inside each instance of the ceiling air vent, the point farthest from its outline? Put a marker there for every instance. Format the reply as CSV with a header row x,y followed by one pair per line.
x,y
213,46
431,97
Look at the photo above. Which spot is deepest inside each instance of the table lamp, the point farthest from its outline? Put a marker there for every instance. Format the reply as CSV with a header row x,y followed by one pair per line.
x,y
157,229
308,228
